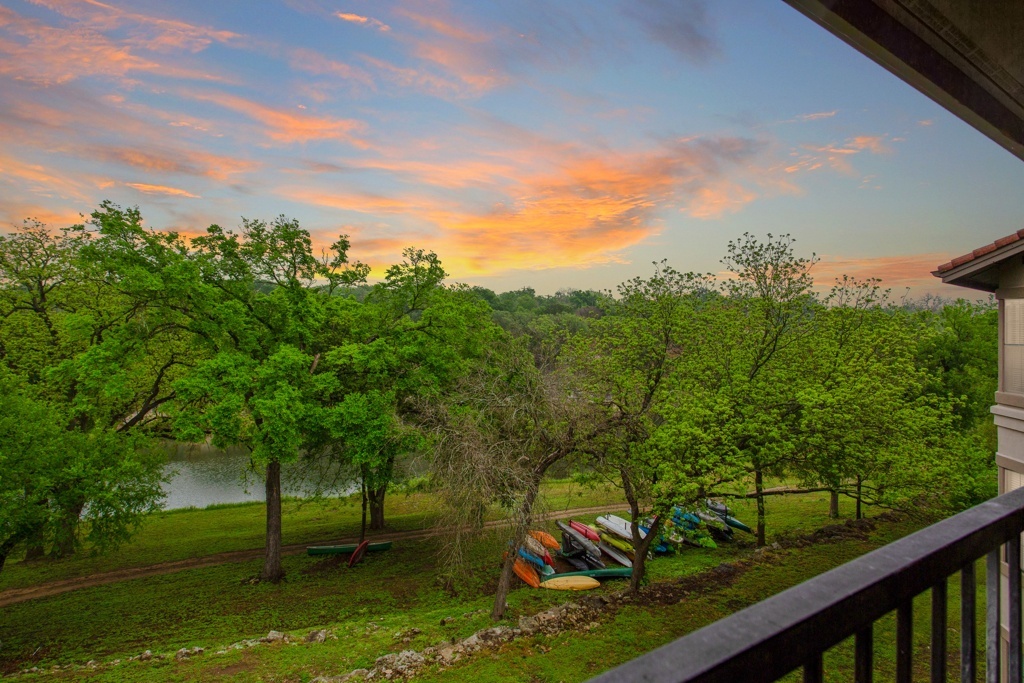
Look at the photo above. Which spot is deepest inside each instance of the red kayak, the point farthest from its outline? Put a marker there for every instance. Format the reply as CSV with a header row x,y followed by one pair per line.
x,y
358,553
587,531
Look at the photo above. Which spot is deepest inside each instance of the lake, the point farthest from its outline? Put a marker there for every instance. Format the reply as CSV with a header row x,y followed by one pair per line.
x,y
202,475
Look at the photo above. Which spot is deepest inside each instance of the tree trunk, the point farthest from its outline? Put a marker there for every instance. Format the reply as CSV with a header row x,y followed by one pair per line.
x,y
859,481
272,570
66,534
522,524
640,546
377,506
35,545
5,549
833,504
759,491
362,526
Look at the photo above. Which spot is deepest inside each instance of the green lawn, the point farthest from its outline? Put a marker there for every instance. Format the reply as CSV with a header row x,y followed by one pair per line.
x,y
182,534
391,592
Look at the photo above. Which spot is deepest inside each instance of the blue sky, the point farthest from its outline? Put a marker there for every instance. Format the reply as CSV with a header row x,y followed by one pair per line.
x,y
550,144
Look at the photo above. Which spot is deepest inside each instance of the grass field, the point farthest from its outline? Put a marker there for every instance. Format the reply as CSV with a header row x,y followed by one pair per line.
x,y
396,593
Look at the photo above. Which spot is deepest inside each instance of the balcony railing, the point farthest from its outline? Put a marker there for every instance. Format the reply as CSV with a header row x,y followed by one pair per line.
x,y
794,629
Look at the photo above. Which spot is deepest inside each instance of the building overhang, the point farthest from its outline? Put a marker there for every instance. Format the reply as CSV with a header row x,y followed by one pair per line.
x,y
967,56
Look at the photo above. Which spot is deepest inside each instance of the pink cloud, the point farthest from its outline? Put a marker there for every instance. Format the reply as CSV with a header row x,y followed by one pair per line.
x,y
359,19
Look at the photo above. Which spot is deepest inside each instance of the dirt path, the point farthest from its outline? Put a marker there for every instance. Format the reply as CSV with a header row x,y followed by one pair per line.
x,y
44,590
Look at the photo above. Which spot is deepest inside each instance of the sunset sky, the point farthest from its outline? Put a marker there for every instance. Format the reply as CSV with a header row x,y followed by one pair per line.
x,y
540,143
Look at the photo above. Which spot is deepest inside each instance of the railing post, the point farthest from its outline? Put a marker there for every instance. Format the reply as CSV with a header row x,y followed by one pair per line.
x,y
1013,656
993,629
939,632
863,655
968,617
814,671
905,642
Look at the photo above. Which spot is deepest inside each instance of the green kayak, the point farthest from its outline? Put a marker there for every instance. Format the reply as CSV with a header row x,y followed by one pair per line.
x,y
614,572
344,549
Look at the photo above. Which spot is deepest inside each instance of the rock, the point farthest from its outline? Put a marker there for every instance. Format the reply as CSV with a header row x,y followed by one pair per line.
x,y
274,637
471,643
404,663
317,636
447,654
146,656
447,620
181,654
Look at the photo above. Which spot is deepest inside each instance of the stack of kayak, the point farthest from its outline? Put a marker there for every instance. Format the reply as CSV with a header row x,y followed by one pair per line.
x,y
592,552
536,566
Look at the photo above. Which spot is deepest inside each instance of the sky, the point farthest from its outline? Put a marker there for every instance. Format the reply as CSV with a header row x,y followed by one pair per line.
x,y
530,143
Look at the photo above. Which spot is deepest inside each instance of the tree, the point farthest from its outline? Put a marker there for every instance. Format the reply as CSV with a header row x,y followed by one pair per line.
x,y
628,365
496,435
762,327
263,309
411,340
102,361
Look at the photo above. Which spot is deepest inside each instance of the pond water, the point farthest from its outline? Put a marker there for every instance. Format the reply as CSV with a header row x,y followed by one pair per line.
x,y
201,475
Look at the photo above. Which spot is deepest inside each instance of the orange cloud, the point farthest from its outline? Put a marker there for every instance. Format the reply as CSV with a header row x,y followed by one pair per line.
x,y
146,188
189,162
901,271
47,55
40,180
718,199
313,62
583,209
837,157
286,126
358,19
406,77
467,54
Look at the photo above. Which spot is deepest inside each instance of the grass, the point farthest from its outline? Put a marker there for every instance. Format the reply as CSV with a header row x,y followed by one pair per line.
x,y
241,526
389,593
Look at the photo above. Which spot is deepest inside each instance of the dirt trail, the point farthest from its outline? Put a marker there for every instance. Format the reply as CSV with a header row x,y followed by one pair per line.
x,y
44,590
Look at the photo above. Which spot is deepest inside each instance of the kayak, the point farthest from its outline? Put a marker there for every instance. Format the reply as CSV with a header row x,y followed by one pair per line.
x,y
526,572
586,530
546,539
616,554
617,543
579,539
618,526
537,548
357,554
345,549
611,573
573,549
536,561
570,583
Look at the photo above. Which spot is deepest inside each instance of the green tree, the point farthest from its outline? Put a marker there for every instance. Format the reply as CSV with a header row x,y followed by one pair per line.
x,y
103,361
762,326
629,365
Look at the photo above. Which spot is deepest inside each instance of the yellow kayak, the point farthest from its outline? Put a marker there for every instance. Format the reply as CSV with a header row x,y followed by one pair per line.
x,y
570,583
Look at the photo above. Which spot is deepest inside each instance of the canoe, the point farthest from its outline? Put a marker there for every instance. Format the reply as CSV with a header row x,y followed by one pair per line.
x,y
347,548
525,571
357,554
610,573
546,539
538,563
589,532
570,583
579,539
616,555
616,542
538,549
618,526
579,563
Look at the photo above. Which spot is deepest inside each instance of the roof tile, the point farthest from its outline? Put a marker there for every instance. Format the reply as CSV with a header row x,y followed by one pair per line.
x,y
981,251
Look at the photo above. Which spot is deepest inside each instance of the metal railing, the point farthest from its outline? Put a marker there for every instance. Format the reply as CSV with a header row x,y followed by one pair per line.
x,y
794,628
